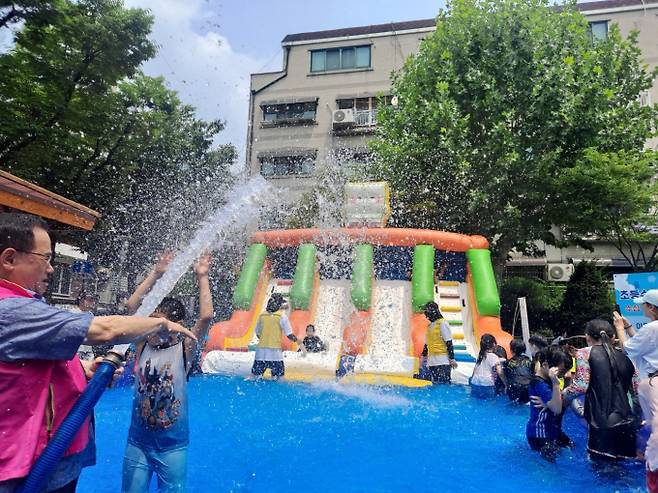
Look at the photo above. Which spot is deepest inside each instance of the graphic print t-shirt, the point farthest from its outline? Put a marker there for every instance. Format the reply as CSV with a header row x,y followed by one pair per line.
x,y
159,419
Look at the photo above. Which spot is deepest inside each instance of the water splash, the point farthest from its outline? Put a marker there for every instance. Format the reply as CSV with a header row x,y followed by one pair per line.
x,y
368,394
242,205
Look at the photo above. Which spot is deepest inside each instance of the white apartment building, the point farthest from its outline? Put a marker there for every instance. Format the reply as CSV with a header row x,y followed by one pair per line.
x,y
321,106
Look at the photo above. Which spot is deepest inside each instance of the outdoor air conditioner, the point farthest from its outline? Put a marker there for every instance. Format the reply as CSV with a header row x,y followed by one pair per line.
x,y
343,116
559,272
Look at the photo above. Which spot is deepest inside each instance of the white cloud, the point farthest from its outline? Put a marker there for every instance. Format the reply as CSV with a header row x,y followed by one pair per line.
x,y
202,66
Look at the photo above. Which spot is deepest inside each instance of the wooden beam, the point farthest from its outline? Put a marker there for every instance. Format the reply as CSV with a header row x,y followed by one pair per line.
x,y
40,209
50,194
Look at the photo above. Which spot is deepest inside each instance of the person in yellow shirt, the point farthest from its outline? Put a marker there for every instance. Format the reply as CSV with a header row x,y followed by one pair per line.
x,y
269,328
438,345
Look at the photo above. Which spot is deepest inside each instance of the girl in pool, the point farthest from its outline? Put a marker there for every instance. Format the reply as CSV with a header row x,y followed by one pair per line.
x,y
543,429
487,369
608,412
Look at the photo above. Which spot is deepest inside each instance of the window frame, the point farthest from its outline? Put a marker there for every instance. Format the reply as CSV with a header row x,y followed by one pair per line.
x,y
290,119
341,67
591,25
294,166
58,278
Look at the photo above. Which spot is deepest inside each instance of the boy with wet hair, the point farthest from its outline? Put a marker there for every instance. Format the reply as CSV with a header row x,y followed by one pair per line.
x,y
159,429
311,342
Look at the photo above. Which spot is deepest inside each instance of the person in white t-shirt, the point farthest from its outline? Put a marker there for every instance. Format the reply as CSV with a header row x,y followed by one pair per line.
x,y
642,348
487,369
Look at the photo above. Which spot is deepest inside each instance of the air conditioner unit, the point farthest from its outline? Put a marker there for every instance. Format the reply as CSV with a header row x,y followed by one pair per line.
x,y
341,117
559,272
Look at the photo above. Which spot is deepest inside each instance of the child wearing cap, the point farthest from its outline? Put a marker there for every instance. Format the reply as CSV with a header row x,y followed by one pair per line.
x,y
438,345
642,348
269,327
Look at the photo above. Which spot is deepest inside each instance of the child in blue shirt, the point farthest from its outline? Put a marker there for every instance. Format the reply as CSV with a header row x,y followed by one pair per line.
x,y
543,429
159,429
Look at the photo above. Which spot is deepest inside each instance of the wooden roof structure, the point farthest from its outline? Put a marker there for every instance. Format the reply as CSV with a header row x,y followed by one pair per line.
x,y
21,195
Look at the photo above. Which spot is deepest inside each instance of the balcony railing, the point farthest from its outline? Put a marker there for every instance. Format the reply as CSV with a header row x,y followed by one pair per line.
x,y
365,118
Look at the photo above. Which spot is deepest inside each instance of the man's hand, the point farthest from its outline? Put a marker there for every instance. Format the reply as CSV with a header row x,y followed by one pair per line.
x,y
164,259
90,367
168,325
202,265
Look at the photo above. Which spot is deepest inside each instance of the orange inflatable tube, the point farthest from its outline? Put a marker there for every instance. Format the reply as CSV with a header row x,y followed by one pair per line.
x,y
234,333
419,325
441,240
487,324
356,331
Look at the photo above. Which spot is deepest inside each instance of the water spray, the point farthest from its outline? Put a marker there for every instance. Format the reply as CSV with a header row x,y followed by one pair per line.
x,y
238,203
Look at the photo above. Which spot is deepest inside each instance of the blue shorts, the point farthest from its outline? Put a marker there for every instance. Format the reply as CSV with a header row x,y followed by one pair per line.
x,y
483,391
276,367
139,465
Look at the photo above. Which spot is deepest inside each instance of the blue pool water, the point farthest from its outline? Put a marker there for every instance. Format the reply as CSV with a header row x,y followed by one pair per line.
x,y
271,437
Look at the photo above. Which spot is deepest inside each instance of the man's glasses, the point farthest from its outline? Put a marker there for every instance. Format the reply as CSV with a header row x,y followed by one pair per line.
x,y
48,257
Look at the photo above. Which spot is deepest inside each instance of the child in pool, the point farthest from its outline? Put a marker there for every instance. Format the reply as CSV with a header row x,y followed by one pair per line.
x,y
159,430
543,428
518,372
311,342
487,369
438,345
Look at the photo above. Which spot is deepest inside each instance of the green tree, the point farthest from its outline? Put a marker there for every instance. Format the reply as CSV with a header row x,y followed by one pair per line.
x,y
500,100
78,117
626,210
588,296
32,11
543,301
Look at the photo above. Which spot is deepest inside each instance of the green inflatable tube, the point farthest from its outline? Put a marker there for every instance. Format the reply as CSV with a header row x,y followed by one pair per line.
x,y
484,282
302,288
253,264
362,272
422,277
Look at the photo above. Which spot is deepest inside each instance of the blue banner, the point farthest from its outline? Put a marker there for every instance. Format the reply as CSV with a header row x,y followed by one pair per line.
x,y
629,286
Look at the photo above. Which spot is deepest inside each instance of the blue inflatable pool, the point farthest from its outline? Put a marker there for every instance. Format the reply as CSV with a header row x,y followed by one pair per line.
x,y
277,437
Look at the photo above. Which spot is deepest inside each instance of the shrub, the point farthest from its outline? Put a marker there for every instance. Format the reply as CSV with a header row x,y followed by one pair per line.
x,y
587,296
542,299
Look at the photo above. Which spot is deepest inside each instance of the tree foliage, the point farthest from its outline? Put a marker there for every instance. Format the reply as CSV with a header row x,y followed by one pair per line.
x,y
626,210
79,118
588,296
504,102
543,301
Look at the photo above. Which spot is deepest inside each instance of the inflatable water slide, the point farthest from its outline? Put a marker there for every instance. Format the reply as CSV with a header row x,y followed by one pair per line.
x,y
363,289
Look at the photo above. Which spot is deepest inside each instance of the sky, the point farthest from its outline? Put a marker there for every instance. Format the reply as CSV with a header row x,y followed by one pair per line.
x,y
208,48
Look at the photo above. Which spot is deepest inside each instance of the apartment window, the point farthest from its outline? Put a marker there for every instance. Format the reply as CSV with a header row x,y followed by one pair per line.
x,y
60,282
352,157
289,113
273,166
350,57
599,30
365,109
